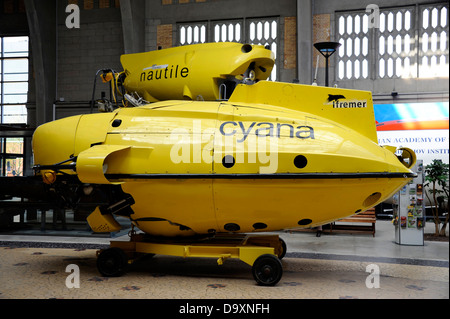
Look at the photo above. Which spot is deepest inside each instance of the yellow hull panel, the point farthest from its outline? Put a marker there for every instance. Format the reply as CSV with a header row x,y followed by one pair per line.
x,y
186,207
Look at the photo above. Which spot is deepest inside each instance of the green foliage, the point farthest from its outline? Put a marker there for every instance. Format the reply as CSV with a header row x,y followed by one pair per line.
x,y
437,180
437,172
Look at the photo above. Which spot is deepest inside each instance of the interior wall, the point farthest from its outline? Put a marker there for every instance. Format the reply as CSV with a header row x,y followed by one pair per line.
x,y
96,44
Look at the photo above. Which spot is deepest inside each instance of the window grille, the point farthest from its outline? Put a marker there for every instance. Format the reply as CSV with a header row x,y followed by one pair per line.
x,y
396,48
13,96
11,156
228,31
13,79
262,31
433,49
399,48
353,32
192,33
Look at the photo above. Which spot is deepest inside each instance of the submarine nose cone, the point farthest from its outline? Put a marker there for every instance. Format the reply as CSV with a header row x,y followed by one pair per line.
x,y
53,142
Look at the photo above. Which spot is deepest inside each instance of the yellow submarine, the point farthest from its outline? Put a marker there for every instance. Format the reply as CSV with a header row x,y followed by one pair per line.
x,y
205,153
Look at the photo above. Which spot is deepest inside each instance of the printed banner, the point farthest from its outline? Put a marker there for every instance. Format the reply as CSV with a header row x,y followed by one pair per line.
x,y
423,127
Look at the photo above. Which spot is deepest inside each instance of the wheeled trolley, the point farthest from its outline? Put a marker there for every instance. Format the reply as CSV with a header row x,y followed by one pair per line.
x,y
262,252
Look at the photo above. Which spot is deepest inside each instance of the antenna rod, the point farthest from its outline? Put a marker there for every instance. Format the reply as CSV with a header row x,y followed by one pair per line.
x,y
315,74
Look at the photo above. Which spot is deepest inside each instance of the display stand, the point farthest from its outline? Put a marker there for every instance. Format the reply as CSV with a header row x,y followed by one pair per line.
x,y
409,210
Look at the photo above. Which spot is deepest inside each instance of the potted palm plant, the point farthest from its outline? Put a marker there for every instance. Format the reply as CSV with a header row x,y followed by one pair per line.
x,y
437,181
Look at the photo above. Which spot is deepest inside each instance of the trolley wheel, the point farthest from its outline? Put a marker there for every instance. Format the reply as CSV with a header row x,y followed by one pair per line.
x,y
282,253
112,262
267,270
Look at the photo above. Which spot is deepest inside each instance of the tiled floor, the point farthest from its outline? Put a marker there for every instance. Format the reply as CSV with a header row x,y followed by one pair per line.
x,y
41,273
334,266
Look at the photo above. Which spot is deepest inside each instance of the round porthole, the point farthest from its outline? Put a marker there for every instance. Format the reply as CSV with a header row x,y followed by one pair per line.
x,y
228,161
304,222
246,48
116,123
300,161
372,199
232,227
259,226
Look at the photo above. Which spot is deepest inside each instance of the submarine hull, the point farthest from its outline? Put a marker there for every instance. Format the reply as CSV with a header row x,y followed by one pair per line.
x,y
291,159
185,207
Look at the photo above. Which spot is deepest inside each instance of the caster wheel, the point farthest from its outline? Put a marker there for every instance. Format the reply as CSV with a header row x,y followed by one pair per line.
x,y
283,250
112,262
267,270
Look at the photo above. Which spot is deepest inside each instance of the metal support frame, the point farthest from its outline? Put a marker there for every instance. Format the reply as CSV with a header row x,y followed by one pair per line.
x,y
262,253
246,248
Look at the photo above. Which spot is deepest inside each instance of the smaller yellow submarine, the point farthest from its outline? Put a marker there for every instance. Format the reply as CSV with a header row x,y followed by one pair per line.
x,y
211,154
206,71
